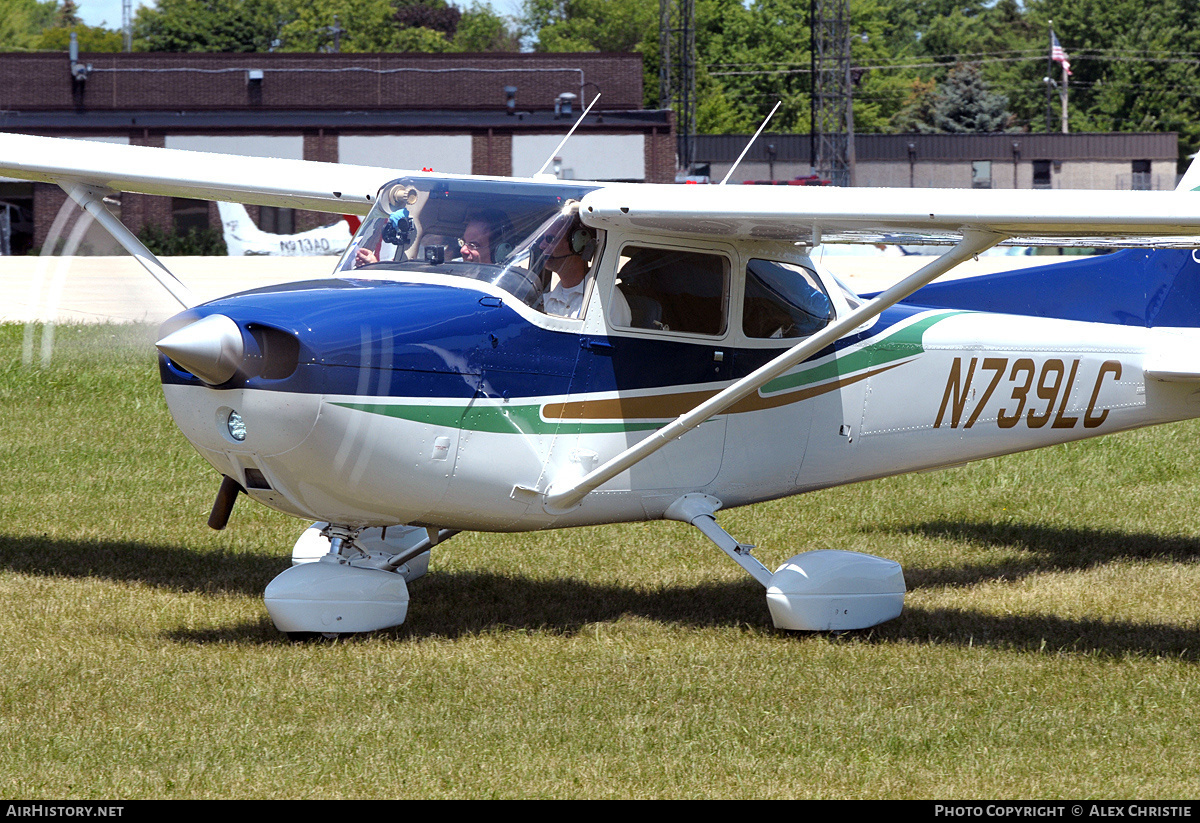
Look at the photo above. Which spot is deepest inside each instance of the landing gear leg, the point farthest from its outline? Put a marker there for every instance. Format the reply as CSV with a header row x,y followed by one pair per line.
x,y
698,510
826,590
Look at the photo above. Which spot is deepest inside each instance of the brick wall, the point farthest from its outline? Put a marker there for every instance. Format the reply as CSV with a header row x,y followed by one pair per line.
x,y
123,90
42,81
491,153
660,154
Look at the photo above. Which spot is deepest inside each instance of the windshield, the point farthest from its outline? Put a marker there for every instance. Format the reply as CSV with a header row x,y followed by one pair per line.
x,y
485,230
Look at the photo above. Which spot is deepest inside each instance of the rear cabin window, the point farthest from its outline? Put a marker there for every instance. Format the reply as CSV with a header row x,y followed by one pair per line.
x,y
783,300
673,290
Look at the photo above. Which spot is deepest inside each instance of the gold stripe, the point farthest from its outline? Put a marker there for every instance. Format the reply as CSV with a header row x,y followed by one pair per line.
x,y
669,406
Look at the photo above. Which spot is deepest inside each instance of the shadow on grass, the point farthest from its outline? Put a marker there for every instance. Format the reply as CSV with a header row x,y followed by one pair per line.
x,y
454,604
1046,634
1043,548
444,604
457,604
169,567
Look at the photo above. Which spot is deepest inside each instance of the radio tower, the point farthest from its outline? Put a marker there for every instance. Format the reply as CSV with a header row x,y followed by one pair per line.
x,y
677,72
832,139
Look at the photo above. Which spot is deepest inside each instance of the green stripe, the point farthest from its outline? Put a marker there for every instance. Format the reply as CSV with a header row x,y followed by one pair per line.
x,y
506,419
900,344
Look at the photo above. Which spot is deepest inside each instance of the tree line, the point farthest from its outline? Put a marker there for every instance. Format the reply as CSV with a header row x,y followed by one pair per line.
x,y
918,65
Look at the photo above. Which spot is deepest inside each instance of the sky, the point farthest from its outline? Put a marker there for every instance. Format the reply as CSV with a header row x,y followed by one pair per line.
x,y
105,13
108,12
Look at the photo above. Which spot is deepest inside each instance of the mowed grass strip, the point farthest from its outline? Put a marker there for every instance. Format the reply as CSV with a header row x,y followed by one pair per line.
x,y
1048,649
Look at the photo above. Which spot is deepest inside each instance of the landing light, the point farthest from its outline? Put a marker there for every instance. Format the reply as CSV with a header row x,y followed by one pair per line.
x,y
236,426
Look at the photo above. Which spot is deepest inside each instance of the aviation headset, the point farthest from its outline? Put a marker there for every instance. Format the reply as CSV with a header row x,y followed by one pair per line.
x,y
583,242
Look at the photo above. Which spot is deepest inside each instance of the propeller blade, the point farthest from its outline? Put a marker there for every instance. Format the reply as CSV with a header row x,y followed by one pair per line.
x,y
223,505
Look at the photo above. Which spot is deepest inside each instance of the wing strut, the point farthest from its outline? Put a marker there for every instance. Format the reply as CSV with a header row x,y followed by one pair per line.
x,y
92,199
973,242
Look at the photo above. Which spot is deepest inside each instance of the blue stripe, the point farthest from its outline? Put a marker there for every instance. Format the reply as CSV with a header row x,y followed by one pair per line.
x,y
1133,287
384,339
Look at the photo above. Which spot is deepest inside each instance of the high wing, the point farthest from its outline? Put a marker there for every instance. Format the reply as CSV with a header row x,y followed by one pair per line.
x,y
809,215
89,171
300,184
864,215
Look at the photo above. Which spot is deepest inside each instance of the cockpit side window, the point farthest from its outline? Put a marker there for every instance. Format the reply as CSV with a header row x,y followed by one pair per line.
x,y
783,300
675,290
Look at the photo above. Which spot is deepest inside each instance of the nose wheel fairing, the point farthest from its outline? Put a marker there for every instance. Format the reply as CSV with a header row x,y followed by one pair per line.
x,y
345,581
334,597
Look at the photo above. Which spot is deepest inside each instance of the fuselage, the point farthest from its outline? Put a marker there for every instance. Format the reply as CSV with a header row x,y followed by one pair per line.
x,y
426,383
432,400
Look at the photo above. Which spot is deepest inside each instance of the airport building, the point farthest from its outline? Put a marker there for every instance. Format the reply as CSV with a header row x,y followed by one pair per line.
x,y
491,114
981,161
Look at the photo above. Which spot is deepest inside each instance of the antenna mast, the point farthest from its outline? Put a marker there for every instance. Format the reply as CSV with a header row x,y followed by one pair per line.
x,y
832,138
127,23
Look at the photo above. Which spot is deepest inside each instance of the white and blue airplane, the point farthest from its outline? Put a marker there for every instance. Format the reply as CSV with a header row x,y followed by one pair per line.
x,y
509,355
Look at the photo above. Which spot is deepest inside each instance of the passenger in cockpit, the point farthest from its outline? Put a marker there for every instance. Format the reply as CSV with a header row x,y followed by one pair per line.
x,y
484,237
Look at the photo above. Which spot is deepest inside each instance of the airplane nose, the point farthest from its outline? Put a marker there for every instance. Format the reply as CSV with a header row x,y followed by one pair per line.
x,y
212,348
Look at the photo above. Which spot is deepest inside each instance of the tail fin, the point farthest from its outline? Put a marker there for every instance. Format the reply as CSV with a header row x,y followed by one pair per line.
x,y
242,237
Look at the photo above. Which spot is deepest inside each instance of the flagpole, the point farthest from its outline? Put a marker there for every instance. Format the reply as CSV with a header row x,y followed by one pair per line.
x,y
1049,83
1057,55
1062,93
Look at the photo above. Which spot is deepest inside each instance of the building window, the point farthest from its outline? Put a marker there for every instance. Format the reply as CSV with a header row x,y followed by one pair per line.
x,y
1041,174
1141,176
189,214
277,221
981,174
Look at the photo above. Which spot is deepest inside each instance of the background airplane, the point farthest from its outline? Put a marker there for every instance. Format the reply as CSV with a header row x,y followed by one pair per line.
x,y
243,237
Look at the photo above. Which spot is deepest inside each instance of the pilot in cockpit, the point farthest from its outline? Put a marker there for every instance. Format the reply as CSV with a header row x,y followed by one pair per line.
x,y
567,248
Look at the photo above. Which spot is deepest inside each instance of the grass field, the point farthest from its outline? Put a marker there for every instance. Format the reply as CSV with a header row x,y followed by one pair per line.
x,y
1049,647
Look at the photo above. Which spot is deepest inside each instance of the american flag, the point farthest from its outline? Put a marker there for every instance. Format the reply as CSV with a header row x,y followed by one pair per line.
x,y
1058,55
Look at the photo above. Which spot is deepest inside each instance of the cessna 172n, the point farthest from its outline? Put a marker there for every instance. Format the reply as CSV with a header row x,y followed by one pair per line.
x,y
698,359
243,238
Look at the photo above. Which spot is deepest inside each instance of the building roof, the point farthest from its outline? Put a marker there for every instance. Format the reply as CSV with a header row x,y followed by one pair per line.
x,y
42,81
364,121
924,147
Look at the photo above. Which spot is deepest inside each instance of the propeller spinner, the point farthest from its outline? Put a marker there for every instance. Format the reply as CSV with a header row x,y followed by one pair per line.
x,y
211,348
